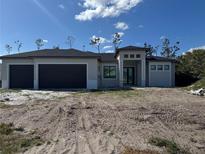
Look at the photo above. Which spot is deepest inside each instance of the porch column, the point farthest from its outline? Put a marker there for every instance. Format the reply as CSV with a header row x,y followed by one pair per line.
x,y
35,76
143,72
121,72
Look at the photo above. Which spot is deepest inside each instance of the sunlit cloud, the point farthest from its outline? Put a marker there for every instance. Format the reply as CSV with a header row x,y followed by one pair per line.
x,y
121,26
61,6
197,48
107,47
45,41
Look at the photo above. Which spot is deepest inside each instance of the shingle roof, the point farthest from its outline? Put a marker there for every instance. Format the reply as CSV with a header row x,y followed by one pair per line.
x,y
108,57
158,58
132,48
49,53
128,48
74,53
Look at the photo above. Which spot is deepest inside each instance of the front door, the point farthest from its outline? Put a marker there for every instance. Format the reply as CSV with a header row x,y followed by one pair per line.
x,y
128,75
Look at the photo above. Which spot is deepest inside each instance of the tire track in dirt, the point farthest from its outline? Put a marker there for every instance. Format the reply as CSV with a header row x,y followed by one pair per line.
x,y
82,144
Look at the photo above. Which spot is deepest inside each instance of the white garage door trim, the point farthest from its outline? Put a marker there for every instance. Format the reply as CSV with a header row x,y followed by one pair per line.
x,y
36,71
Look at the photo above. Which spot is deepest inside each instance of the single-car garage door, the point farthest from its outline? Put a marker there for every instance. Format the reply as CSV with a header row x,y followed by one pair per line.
x,y
21,76
62,76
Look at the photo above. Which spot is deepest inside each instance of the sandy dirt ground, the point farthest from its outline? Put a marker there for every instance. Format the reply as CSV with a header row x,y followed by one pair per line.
x,y
106,122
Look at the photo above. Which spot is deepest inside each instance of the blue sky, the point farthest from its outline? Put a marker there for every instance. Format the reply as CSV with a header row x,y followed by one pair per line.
x,y
139,20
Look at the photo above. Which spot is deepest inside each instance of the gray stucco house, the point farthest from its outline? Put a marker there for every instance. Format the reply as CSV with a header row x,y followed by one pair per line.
x,y
72,69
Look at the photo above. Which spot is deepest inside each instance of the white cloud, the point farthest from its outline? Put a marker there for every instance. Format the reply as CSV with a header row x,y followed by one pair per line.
x,y
105,8
121,26
162,37
107,47
121,34
61,6
192,49
109,51
102,39
45,41
140,26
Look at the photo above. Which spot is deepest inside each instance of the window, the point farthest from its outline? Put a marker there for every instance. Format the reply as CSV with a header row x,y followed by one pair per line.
x,y
153,67
126,56
132,56
138,56
159,67
166,67
109,72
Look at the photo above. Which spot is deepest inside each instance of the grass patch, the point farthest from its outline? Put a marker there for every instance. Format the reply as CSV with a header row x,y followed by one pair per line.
x,y
9,90
123,93
197,85
4,106
170,146
133,151
6,129
13,141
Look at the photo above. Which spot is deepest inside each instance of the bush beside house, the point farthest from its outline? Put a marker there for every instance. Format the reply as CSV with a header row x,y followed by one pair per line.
x,y
190,68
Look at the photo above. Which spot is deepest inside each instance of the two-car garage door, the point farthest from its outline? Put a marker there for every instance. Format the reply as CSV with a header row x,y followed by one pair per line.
x,y
62,76
50,76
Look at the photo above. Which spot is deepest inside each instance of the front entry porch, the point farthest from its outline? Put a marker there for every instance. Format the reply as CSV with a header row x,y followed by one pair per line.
x,y
133,73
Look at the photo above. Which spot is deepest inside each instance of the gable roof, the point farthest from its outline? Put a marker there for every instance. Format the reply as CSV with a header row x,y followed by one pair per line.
x,y
50,53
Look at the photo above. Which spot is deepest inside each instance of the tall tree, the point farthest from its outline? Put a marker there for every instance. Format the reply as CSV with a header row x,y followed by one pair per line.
x,y
168,50
96,41
70,41
39,43
19,45
116,40
150,49
8,48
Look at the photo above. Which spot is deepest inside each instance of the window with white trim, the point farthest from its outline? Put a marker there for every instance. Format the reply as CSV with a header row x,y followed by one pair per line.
x,y
126,56
160,67
166,67
153,67
132,56
109,72
138,55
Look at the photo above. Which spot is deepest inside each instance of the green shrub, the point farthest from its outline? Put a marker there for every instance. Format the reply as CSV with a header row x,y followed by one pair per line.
x,y
6,129
170,146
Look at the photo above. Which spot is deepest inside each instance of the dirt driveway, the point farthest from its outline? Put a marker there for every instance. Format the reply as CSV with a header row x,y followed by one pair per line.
x,y
107,122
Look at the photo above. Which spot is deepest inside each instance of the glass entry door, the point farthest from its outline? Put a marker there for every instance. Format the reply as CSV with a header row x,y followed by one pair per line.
x,y
128,75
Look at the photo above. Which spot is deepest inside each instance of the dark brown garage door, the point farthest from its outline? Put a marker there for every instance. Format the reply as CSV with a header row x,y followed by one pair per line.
x,y
62,76
21,76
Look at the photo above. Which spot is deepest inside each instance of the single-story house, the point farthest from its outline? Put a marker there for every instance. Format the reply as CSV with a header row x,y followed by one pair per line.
x,y
72,69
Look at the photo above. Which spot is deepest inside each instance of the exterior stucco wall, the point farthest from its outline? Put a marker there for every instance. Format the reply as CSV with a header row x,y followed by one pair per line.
x,y
108,83
160,78
91,68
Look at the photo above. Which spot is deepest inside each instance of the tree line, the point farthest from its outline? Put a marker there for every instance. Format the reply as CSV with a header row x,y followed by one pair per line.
x,y
167,50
